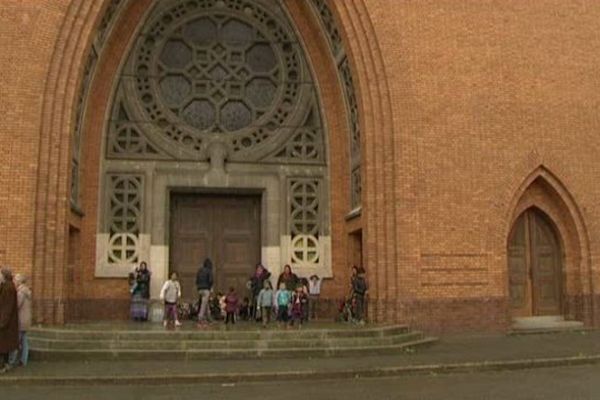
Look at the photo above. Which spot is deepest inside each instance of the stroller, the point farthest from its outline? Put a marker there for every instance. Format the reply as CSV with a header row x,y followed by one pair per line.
x,y
345,310
185,311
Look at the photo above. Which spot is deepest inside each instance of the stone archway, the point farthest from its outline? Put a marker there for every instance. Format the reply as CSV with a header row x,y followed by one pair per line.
x,y
213,96
560,219
89,46
291,169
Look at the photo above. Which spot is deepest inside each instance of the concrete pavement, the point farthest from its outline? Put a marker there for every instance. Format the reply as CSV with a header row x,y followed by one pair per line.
x,y
574,383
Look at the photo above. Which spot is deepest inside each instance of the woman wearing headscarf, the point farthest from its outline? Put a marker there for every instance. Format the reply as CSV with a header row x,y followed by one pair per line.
x,y
24,310
9,319
140,292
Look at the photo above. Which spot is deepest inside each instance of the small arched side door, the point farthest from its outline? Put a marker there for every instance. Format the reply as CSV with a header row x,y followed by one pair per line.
x,y
534,266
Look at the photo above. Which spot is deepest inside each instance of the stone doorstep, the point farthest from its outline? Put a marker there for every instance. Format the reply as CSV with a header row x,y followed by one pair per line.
x,y
544,322
245,377
545,331
218,354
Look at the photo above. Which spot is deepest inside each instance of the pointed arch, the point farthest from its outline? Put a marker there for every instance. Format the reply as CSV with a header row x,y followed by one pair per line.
x,y
544,191
109,32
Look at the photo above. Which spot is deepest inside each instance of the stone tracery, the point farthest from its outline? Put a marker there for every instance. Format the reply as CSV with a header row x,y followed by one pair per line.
x,y
227,71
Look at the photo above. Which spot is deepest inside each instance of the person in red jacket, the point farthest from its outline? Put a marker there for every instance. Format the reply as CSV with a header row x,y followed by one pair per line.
x,y
231,306
9,319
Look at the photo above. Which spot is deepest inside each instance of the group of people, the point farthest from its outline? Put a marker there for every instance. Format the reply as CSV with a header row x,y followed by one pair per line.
x,y
15,320
293,301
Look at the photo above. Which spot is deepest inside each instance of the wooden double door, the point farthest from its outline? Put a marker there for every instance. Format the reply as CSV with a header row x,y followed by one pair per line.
x,y
224,228
534,266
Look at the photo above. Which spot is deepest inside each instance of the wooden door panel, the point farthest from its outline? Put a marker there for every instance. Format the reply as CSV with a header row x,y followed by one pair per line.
x,y
239,252
546,268
236,280
534,265
225,228
236,251
190,251
518,270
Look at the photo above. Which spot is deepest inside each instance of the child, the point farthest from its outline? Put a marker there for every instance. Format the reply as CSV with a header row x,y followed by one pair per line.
x,y
304,299
282,298
231,306
222,304
170,294
265,302
299,301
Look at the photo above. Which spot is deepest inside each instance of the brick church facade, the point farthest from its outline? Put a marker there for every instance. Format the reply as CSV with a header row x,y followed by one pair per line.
x,y
449,147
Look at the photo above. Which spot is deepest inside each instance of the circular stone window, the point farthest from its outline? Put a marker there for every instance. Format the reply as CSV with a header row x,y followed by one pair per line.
x,y
217,68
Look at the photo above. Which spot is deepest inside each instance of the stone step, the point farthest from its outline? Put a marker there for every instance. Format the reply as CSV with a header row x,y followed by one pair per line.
x,y
543,323
216,353
39,343
214,334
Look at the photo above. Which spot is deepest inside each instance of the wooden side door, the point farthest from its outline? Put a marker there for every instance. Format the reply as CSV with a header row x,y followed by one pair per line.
x,y
534,267
546,267
519,269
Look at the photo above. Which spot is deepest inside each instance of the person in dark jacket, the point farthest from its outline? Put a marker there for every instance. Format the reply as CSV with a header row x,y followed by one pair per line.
x,y
257,281
9,319
204,284
289,278
359,292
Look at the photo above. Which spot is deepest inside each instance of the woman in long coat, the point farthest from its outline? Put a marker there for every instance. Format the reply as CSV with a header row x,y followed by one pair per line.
x,y
289,278
256,283
140,292
9,316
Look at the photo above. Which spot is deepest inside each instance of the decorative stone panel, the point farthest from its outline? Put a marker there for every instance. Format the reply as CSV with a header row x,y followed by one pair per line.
x,y
125,194
305,221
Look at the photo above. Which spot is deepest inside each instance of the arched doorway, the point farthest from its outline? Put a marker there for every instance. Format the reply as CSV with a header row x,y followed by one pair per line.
x,y
534,266
215,146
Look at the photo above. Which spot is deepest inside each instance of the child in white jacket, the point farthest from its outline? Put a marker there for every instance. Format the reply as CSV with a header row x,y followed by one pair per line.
x,y
170,294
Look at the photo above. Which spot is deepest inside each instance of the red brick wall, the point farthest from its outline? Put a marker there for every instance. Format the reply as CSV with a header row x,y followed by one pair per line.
x,y
23,69
477,96
461,102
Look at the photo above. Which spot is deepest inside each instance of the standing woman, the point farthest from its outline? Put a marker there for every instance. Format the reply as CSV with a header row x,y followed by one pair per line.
x,y
9,319
140,293
256,284
289,278
24,307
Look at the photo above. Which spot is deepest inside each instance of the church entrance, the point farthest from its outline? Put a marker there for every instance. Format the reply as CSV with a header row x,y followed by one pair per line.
x,y
215,96
225,228
534,266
